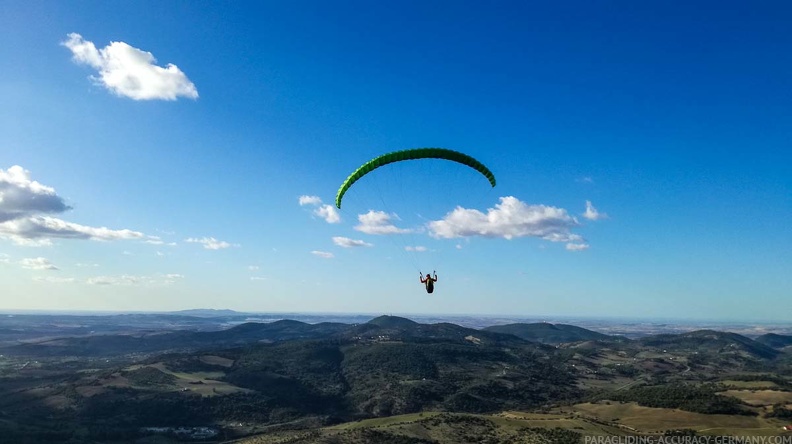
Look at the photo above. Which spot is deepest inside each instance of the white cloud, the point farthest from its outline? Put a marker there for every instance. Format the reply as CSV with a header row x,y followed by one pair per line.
x,y
156,240
509,219
38,263
592,213
21,197
253,267
415,248
24,205
211,243
349,243
378,222
35,227
54,279
309,200
323,254
116,280
130,72
174,276
586,179
326,212
576,247
258,278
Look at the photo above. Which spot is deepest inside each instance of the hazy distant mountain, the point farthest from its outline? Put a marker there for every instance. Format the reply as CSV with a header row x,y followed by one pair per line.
x,y
207,312
398,328
548,333
386,321
710,341
115,345
774,340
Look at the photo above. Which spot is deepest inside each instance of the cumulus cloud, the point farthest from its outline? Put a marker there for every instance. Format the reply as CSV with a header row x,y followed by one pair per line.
x,y
326,212
130,72
509,219
210,243
38,263
323,254
25,213
309,200
378,222
349,243
20,196
592,213
415,248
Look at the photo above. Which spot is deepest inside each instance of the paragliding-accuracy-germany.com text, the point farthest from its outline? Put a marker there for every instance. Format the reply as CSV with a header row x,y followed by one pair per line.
x,y
687,440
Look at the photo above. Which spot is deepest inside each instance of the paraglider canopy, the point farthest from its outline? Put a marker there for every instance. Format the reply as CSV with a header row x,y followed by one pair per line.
x,y
412,154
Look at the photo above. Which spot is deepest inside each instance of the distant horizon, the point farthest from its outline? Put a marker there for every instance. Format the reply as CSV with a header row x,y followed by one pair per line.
x,y
537,318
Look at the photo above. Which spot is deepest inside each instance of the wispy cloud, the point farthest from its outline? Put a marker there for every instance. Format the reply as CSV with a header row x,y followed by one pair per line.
x,y
130,280
378,222
258,278
592,213
326,212
323,254
585,179
38,263
25,214
211,243
156,240
55,279
576,246
116,280
253,267
416,248
127,71
49,227
509,219
349,243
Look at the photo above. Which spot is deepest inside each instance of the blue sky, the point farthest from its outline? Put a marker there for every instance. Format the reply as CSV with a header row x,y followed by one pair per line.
x,y
174,155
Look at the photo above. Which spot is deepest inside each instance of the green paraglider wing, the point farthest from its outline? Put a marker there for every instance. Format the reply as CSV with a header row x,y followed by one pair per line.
x,y
413,154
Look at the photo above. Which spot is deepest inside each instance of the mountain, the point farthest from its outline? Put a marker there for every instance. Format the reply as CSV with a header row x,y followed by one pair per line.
x,y
330,380
722,344
547,333
116,345
774,340
396,328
